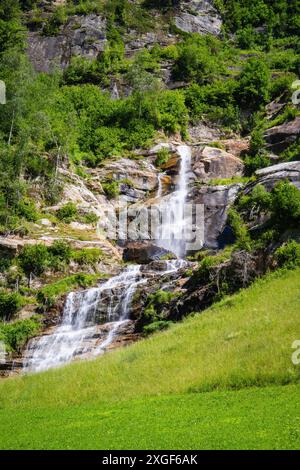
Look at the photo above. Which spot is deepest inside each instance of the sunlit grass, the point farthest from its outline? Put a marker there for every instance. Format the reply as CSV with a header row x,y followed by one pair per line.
x,y
243,341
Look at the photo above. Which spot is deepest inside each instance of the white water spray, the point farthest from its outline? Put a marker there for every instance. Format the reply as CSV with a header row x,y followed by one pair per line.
x,y
172,234
78,334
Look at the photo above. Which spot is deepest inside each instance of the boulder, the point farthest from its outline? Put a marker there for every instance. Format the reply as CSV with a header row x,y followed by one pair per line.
x,y
199,16
139,173
143,252
273,174
203,133
216,201
212,163
279,138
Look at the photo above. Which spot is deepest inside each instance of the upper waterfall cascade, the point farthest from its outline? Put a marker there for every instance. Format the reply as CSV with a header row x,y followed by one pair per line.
x,y
171,234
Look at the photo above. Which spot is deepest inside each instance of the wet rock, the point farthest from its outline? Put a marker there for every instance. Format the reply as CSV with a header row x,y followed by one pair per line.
x,y
143,252
279,138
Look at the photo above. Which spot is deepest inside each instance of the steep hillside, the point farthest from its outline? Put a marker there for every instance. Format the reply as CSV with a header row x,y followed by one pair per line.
x,y
245,341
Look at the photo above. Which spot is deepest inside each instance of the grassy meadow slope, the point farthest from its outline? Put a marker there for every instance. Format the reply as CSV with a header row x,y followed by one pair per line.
x,y
129,398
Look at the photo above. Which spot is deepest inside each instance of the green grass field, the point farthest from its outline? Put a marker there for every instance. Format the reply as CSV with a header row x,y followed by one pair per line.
x,y
217,380
254,418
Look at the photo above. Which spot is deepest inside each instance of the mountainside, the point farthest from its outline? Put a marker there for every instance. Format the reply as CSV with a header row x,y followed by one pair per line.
x,y
104,100
149,214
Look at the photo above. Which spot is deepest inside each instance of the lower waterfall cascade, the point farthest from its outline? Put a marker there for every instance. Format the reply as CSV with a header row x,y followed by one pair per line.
x,y
78,335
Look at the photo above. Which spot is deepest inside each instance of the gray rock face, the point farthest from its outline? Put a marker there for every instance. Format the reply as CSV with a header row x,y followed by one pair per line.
x,y
216,201
82,36
199,16
273,174
136,177
210,162
279,138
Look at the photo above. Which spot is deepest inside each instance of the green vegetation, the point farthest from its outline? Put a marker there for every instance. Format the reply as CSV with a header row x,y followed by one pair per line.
x,y
280,207
49,294
67,213
246,419
153,318
241,342
163,156
16,334
245,340
288,255
10,304
88,256
63,117
111,189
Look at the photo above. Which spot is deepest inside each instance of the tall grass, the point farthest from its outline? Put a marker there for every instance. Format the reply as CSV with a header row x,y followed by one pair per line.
x,y
243,341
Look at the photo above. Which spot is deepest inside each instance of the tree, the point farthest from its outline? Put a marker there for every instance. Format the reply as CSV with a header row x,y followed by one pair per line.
x,y
254,84
34,259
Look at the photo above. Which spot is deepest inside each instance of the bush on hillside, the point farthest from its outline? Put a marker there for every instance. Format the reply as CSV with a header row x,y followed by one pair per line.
x,y
288,255
15,335
34,259
67,213
10,304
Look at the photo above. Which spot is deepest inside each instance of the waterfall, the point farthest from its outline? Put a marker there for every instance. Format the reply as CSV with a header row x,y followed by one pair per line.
x,y
78,334
160,186
172,232
93,318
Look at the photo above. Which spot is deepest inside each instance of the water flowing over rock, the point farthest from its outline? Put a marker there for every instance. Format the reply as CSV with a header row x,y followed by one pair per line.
x,y
172,233
79,335
96,319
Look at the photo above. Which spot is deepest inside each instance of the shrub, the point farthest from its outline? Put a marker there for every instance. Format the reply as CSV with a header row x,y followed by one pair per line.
x,y
58,18
27,209
60,254
91,218
254,84
285,204
288,255
239,229
10,304
155,304
172,112
34,259
48,295
111,189
88,256
163,156
67,213
252,164
198,59
16,335
259,199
